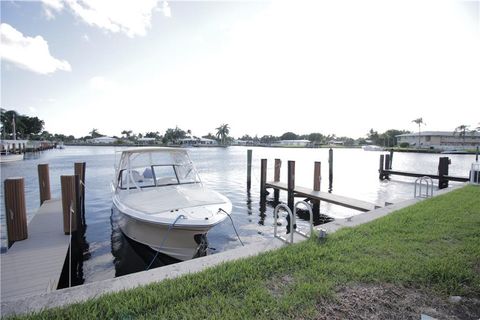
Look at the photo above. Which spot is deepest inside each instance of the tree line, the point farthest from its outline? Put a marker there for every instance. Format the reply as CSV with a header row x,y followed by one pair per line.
x,y
32,128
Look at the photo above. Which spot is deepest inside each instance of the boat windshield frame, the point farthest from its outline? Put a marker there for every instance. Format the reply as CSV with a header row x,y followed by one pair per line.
x,y
133,185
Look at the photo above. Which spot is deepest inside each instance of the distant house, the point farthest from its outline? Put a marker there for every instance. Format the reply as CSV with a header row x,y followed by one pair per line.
x,y
197,142
243,143
292,143
336,142
442,140
207,142
146,140
104,139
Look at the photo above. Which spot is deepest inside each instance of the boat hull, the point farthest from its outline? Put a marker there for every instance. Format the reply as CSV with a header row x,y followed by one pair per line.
x,y
10,157
181,243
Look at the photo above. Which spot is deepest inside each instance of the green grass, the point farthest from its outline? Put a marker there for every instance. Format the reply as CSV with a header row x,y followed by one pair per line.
x,y
433,245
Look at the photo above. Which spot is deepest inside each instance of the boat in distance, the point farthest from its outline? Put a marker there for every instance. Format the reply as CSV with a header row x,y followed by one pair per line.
x,y
10,157
162,202
372,148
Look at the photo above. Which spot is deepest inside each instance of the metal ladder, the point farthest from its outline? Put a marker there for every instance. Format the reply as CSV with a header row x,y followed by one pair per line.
x,y
428,187
475,173
292,220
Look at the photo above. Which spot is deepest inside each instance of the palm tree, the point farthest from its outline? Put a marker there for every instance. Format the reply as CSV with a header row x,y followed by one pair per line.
x,y
94,133
126,133
222,132
419,121
462,131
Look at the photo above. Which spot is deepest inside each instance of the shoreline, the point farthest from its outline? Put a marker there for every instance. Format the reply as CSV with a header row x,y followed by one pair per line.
x,y
394,149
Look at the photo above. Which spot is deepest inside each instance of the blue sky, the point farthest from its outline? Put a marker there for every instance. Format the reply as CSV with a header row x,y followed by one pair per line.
x,y
262,67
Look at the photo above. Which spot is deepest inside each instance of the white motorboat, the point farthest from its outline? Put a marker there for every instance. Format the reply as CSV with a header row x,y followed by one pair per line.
x,y
372,148
162,202
10,157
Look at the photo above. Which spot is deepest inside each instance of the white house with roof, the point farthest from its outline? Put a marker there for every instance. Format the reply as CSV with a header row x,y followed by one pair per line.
x,y
441,140
192,141
103,139
292,143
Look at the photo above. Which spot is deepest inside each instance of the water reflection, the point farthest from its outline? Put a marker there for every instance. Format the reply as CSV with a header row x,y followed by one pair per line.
x,y
72,271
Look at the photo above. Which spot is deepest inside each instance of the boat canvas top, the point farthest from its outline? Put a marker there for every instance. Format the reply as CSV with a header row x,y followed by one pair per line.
x,y
138,157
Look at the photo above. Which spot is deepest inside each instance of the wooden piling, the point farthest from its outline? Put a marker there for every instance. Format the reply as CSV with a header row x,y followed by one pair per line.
x,y
79,169
249,168
70,195
317,178
390,162
443,163
276,178
14,148
15,210
330,169
263,178
291,184
381,175
44,182
387,166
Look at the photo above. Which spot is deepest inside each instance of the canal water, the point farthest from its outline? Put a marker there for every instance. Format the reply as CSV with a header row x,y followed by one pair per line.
x,y
111,254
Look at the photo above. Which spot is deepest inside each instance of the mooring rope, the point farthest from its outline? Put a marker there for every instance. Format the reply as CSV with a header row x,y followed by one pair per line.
x,y
70,247
233,225
170,227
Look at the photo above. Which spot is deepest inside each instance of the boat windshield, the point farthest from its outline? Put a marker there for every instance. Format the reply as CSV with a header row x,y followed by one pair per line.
x,y
156,169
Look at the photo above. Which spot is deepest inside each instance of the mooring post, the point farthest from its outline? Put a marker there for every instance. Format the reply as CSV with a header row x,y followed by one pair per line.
x,y
263,179
381,175
387,165
317,178
15,210
476,155
276,178
390,162
443,163
330,169
249,168
291,184
14,148
44,182
79,169
70,195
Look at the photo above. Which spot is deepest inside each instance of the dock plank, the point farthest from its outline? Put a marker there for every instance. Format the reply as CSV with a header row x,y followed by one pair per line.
x,y
33,266
327,197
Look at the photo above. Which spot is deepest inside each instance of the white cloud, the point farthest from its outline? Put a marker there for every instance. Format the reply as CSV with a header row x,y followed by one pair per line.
x,y
165,9
51,7
86,37
29,53
130,17
100,83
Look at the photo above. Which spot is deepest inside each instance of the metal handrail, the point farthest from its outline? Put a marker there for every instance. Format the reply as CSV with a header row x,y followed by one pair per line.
x,y
275,218
310,214
428,184
292,220
475,173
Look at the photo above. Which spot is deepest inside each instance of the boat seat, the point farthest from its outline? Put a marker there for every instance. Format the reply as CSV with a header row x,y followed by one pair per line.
x,y
137,177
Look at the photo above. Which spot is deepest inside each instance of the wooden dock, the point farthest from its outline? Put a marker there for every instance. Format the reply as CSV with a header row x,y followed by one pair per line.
x,y
33,266
385,171
325,196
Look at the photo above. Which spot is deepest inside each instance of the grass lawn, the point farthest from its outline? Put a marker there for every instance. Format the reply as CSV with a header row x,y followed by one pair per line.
x,y
428,251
